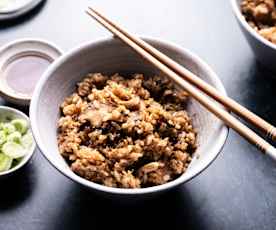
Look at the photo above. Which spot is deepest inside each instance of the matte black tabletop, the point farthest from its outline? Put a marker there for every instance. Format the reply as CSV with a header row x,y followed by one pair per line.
x,y
238,191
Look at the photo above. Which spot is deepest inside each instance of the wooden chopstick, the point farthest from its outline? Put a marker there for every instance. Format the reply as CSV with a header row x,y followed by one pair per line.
x,y
209,104
229,103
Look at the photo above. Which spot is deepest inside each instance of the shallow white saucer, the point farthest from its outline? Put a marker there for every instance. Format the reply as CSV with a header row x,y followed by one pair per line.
x,y
17,8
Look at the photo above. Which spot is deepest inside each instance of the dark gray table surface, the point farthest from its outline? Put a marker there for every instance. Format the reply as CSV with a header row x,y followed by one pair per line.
x,y
238,191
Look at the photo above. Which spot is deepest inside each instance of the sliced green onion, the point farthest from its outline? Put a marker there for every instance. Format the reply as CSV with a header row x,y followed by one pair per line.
x,y
3,137
27,140
14,137
21,125
15,142
14,150
8,128
5,162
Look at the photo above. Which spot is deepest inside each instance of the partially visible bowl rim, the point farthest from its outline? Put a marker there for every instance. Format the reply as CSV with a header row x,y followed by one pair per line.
x,y
26,158
21,11
220,141
241,19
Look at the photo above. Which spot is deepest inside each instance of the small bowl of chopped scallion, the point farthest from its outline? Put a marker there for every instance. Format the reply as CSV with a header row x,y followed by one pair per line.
x,y
16,141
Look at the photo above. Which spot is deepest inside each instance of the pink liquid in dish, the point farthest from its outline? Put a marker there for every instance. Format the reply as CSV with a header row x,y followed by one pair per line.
x,y
23,73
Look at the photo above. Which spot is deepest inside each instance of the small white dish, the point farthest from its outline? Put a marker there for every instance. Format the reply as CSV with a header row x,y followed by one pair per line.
x,y
20,49
16,8
10,113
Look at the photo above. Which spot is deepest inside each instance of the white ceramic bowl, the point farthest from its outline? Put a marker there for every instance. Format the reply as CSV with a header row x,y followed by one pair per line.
x,y
10,113
111,56
264,50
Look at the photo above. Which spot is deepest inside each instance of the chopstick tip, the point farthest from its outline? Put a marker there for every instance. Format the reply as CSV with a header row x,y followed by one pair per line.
x,y
89,11
92,9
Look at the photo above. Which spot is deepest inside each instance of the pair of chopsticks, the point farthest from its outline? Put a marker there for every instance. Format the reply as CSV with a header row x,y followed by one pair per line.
x,y
196,87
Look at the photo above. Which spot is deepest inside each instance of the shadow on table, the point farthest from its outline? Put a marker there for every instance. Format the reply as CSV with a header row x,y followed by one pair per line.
x,y
173,209
16,189
24,109
22,19
260,88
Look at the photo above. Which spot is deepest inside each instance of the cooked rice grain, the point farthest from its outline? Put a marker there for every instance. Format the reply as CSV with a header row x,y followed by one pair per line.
x,y
126,132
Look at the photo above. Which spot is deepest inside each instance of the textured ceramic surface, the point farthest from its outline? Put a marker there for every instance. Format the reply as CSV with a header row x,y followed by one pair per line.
x,y
264,50
111,56
10,113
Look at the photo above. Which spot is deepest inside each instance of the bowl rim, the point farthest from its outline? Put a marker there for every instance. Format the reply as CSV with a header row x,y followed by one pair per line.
x,y
30,152
216,148
21,11
244,23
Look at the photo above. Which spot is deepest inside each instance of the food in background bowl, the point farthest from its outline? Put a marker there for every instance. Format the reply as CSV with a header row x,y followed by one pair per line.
x,y
261,16
15,142
126,132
